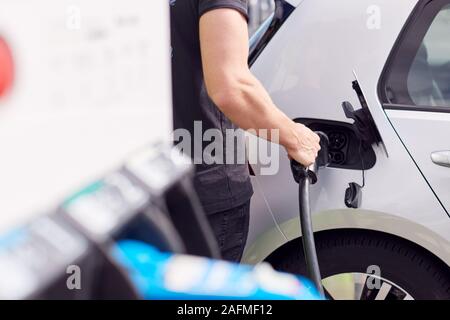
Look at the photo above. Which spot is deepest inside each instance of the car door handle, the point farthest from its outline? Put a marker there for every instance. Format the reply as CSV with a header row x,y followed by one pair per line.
x,y
441,158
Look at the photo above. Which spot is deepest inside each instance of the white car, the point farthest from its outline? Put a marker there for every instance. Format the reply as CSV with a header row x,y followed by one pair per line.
x,y
390,60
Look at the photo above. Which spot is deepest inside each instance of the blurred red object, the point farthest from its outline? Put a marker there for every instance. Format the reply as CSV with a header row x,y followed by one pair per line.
x,y
6,67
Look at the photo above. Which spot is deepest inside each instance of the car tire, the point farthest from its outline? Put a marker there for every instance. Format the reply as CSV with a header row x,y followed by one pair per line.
x,y
401,263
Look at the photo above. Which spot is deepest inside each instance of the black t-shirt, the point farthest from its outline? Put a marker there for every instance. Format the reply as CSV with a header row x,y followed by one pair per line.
x,y
220,186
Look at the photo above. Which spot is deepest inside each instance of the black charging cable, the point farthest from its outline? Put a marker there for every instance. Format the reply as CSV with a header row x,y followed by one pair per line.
x,y
362,164
306,177
306,225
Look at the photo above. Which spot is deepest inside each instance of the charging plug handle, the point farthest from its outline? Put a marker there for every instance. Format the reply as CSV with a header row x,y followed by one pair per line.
x,y
301,173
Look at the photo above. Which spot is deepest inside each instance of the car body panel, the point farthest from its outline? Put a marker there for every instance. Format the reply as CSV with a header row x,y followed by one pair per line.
x,y
424,133
312,61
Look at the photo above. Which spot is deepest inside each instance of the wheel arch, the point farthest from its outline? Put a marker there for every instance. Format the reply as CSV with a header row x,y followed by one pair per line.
x,y
283,236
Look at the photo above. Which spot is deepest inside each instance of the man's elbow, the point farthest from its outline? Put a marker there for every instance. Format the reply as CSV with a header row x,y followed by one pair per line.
x,y
226,99
231,95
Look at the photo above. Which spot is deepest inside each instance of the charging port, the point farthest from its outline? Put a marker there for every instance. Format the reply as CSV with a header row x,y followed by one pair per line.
x,y
347,150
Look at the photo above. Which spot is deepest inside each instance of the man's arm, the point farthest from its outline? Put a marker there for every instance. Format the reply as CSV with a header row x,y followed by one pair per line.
x,y
237,93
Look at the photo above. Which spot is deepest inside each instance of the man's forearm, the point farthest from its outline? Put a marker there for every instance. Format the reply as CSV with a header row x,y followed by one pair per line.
x,y
247,104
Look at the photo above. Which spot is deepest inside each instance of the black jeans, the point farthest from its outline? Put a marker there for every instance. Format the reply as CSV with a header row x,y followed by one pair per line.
x,y
231,230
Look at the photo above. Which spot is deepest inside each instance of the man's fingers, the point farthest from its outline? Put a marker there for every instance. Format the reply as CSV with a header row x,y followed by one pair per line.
x,y
309,149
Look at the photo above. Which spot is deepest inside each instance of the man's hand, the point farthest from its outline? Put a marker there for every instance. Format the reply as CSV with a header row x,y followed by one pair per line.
x,y
308,146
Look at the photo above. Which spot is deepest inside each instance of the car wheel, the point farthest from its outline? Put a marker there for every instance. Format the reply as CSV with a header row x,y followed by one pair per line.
x,y
366,265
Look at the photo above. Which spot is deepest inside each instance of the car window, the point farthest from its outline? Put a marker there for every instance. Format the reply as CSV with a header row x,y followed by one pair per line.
x,y
259,11
259,33
267,30
429,76
418,75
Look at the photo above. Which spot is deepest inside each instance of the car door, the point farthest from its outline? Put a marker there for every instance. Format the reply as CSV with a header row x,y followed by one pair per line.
x,y
415,91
